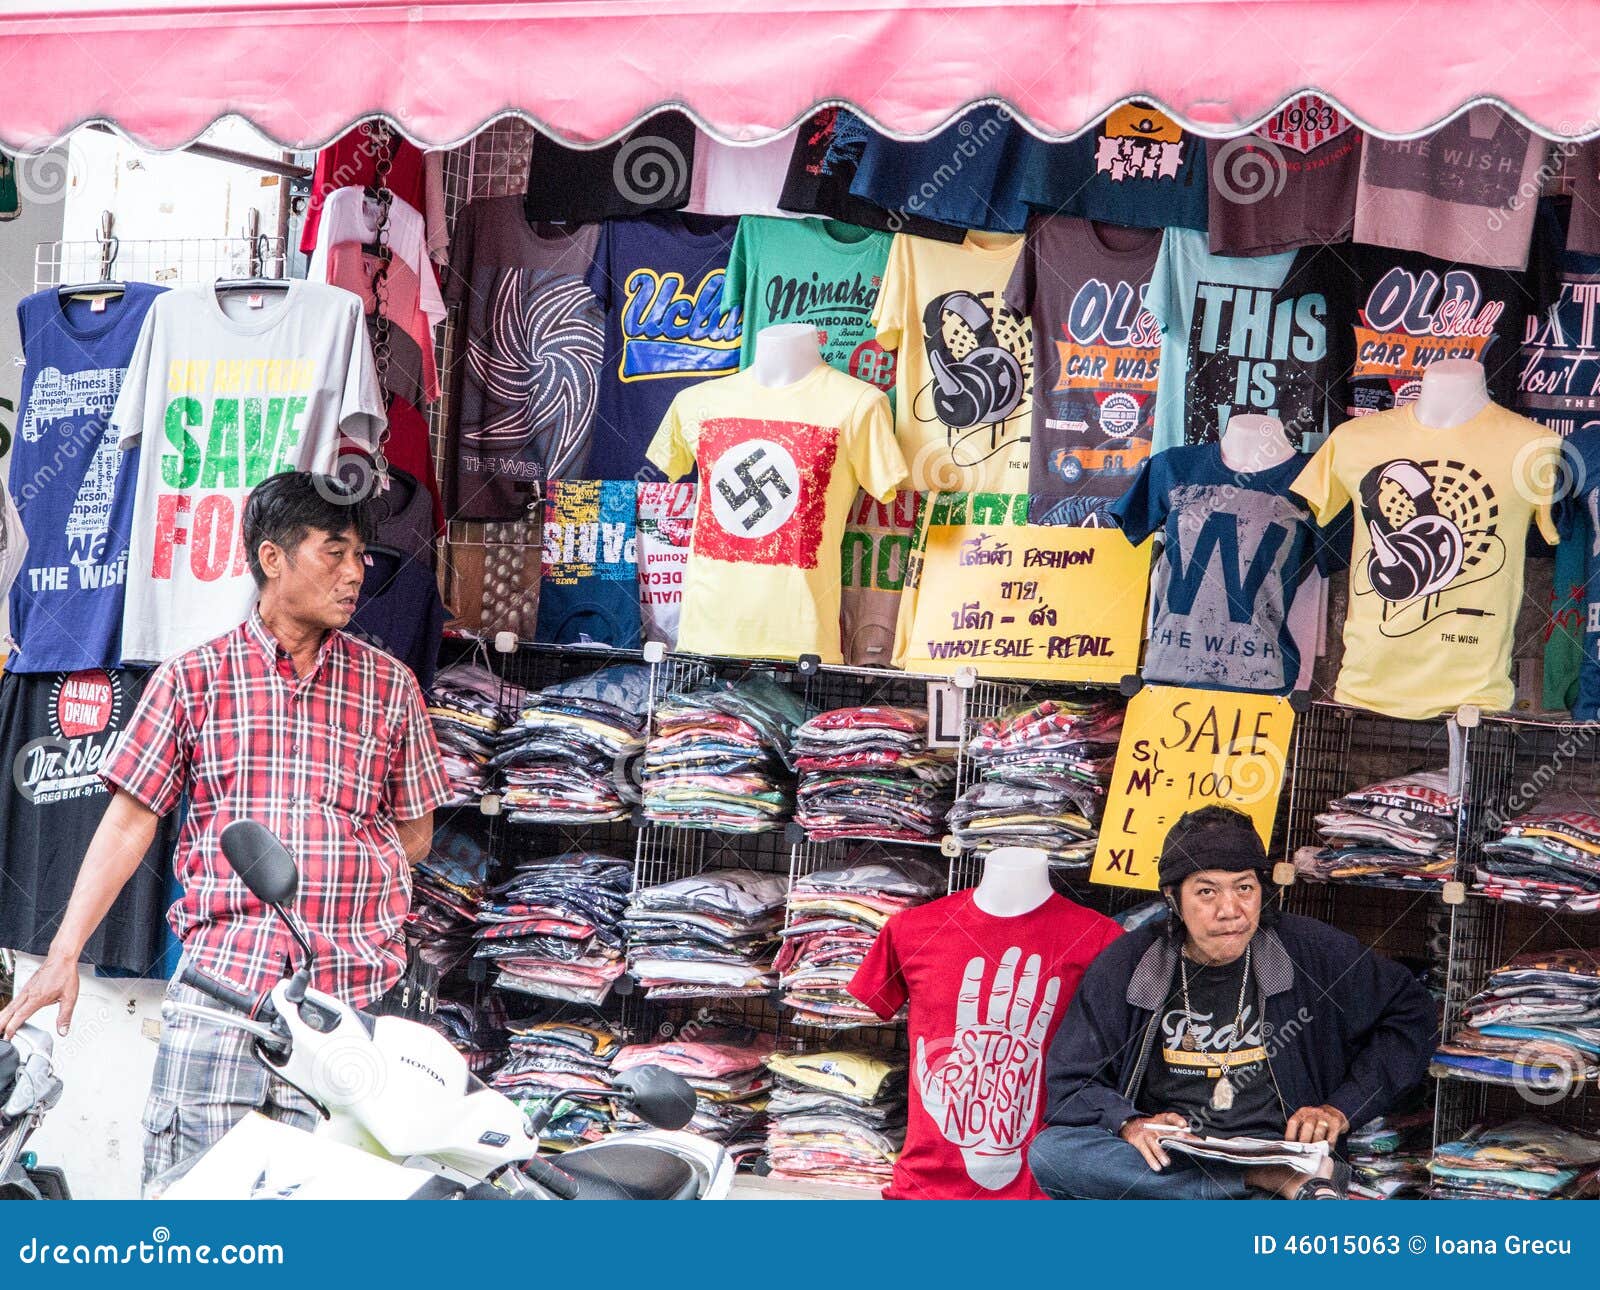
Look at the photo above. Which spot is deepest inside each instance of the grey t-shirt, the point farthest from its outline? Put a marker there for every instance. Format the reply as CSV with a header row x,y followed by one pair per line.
x,y
533,340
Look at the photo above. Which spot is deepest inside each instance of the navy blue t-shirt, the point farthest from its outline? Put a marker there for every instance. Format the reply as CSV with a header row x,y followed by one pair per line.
x,y
659,279
966,175
1578,519
73,485
400,612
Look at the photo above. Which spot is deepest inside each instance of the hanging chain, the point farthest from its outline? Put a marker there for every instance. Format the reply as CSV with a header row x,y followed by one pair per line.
x,y
380,278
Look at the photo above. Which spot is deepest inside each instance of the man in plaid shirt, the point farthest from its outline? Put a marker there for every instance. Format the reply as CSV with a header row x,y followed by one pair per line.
x,y
320,737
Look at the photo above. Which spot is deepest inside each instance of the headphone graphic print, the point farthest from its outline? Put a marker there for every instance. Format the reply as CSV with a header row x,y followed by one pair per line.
x,y
1419,557
986,385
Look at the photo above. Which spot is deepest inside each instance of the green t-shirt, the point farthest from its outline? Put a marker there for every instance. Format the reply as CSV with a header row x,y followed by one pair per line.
x,y
819,272
10,204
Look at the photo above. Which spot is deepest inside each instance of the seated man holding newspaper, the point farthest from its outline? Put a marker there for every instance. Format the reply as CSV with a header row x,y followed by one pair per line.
x,y
1224,1049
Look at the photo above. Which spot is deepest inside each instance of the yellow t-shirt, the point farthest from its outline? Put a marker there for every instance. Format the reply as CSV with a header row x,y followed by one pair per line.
x,y
1436,566
779,469
964,379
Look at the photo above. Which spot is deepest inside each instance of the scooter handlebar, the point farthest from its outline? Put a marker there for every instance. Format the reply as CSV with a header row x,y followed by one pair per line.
x,y
195,979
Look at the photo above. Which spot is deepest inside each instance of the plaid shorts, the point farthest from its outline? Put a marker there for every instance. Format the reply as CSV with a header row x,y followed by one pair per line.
x,y
206,1080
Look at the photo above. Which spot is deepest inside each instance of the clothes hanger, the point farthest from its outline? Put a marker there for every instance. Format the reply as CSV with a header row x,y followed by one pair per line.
x,y
257,279
105,288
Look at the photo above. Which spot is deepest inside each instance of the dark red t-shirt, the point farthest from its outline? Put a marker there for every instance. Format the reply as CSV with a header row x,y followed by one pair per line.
x,y
987,995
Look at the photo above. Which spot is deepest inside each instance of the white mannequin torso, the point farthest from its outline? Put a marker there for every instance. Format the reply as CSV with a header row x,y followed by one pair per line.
x,y
1252,443
1453,392
1016,881
785,354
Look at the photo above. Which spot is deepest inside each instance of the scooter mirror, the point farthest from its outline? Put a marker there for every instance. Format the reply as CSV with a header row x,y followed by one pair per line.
x,y
261,862
657,1096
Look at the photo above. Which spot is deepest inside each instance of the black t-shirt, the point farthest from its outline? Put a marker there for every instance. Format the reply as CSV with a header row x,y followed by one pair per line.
x,y
1183,1080
648,170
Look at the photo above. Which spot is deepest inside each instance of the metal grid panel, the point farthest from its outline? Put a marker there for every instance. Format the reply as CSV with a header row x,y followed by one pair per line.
x,y
168,261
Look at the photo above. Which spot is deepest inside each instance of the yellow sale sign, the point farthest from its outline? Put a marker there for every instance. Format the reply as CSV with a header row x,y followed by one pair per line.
x,y
1183,749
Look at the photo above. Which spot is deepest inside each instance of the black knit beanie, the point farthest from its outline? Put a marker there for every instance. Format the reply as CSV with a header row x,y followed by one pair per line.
x,y
1214,837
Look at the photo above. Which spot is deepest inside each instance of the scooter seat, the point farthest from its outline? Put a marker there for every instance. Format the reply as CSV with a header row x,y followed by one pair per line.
x,y
628,1171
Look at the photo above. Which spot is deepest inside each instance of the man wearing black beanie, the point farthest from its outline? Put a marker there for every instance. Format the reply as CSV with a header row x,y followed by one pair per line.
x,y
1227,1019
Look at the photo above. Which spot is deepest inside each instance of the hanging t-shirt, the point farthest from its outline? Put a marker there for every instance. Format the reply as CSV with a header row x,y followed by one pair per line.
x,y
1239,335
827,151
400,612
666,530
1582,170
1578,519
534,335
407,447
647,170
965,176
72,484
10,202
589,592
1441,522
964,365
668,325
1096,350
1237,549
779,469
1397,312
987,996
1136,168
222,396
1291,183
875,556
412,372
1466,192
349,215
818,272
56,730
353,161
739,179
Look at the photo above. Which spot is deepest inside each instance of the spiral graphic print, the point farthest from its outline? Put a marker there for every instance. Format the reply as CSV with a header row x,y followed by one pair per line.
x,y
539,361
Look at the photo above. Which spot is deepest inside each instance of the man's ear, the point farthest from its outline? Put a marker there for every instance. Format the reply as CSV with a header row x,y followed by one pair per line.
x,y
270,555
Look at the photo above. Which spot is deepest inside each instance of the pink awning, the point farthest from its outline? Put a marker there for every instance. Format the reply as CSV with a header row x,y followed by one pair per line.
x,y
304,70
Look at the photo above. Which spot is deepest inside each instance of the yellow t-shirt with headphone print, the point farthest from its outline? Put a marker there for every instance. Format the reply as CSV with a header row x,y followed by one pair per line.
x,y
964,376
1442,517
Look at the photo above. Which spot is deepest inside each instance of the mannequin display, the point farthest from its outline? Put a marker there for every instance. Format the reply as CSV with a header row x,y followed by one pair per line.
x,y
1443,491
989,974
1239,553
781,448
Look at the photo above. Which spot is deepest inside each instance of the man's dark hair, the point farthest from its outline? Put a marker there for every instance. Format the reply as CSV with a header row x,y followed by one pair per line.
x,y
285,508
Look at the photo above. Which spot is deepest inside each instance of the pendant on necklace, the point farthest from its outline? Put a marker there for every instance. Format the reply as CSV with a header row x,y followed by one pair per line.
x,y
1222,1094
1187,1044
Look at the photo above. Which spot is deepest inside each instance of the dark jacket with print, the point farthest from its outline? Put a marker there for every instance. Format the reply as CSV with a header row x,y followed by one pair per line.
x,y
1344,1026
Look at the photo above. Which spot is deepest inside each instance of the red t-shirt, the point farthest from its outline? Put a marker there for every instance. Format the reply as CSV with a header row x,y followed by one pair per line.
x,y
987,995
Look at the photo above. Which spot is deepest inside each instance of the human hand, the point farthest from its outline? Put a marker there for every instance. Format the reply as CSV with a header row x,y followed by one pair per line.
x,y
1142,1134
1316,1124
56,982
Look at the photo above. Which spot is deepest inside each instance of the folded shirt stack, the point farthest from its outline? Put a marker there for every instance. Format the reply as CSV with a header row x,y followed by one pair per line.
x,y
726,1067
1549,858
478,1032
1536,1024
566,1065
836,1117
719,758
1400,834
868,773
1523,1160
566,758
709,936
834,915
464,707
1043,770
1389,1156
554,927
447,886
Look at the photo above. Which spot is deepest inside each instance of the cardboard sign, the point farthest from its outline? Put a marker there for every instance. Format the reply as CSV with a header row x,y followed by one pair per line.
x,y
1183,749
1043,602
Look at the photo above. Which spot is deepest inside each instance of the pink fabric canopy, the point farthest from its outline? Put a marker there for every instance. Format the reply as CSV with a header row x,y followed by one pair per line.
x,y
304,70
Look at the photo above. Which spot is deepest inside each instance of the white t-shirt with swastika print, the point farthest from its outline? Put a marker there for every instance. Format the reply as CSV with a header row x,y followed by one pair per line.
x,y
779,469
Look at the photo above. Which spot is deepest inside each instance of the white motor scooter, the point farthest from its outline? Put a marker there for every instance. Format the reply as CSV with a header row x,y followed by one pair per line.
x,y
404,1117
29,1087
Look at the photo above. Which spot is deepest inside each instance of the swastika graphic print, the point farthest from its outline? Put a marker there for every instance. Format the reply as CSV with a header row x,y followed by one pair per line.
x,y
765,490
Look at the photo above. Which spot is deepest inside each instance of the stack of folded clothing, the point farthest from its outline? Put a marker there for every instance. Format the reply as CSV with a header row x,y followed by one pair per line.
x,y
1400,834
1550,858
726,1067
446,888
566,758
478,1033
554,927
1523,1160
464,706
836,1117
1043,770
1536,1024
1389,1156
567,1064
719,758
834,915
709,936
868,773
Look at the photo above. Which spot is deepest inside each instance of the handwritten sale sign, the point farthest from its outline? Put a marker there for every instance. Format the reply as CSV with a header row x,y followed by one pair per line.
x,y
1181,750
1041,602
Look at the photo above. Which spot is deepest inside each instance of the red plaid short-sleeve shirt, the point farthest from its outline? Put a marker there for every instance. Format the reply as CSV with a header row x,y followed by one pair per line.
x,y
328,762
